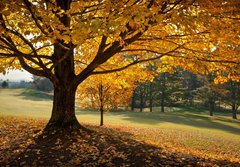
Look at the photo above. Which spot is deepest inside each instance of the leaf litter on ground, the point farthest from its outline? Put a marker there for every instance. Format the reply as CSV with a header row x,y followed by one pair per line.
x,y
24,143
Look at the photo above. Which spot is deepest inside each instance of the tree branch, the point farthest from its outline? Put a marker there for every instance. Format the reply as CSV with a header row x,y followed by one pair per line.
x,y
31,70
139,61
34,17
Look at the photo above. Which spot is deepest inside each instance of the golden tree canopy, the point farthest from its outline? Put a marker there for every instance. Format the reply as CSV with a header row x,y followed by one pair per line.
x,y
184,33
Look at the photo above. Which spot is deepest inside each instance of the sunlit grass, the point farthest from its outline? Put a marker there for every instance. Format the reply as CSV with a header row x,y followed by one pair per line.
x,y
22,102
180,129
17,102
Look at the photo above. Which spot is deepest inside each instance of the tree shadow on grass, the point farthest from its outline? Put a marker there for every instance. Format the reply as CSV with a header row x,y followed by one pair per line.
x,y
35,95
186,118
102,147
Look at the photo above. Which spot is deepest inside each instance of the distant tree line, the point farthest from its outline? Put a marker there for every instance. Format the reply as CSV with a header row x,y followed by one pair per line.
x,y
15,84
182,88
42,84
38,83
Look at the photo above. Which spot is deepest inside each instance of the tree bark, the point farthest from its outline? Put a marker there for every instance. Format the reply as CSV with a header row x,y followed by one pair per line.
x,y
63,111
101,100
234,112
151,98
163,91
211,107
101,119
133,101
141,100
234,100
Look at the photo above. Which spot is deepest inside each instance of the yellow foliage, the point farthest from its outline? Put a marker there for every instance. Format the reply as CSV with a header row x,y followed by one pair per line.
x,y
116,88
200,37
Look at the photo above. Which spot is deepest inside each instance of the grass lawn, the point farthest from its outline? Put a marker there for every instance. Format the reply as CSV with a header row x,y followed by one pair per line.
x,y
188,131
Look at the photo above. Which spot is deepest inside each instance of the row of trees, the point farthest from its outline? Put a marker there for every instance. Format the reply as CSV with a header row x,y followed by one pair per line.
x,y
186,89
179,88
15,84
38,83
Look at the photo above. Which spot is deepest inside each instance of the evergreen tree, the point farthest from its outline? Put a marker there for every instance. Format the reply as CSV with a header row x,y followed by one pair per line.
x,y
5,84
232,97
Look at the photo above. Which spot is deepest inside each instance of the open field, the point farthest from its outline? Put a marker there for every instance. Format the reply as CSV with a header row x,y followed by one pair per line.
x,y
187,131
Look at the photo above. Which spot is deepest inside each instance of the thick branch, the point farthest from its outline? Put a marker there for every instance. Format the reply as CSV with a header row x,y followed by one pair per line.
x,y
30,69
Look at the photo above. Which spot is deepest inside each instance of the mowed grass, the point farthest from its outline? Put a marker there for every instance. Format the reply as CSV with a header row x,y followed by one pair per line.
x,y
182,130
23,102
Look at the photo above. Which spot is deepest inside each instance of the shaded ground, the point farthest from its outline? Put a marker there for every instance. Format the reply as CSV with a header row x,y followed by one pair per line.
x,y
23,143
30,94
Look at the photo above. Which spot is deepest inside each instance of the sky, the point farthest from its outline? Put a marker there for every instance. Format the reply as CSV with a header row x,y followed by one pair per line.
x,y
16,75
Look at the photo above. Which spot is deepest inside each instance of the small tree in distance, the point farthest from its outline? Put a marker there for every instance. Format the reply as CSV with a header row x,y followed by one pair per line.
x,y
108,92
5,84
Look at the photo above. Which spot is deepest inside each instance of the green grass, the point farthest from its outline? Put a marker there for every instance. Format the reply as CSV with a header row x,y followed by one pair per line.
x,y
184,128
30,94
22,102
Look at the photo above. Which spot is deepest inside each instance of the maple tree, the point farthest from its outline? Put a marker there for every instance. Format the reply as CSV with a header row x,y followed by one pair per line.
x,y
109,91
209,92
66,41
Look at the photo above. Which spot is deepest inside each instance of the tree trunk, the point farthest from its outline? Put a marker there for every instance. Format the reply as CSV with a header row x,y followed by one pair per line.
x,y
151,98
101,120
63,112
211,107
162,105
141,101
133,101
234,111
101,100
163,91
151,104
234,100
